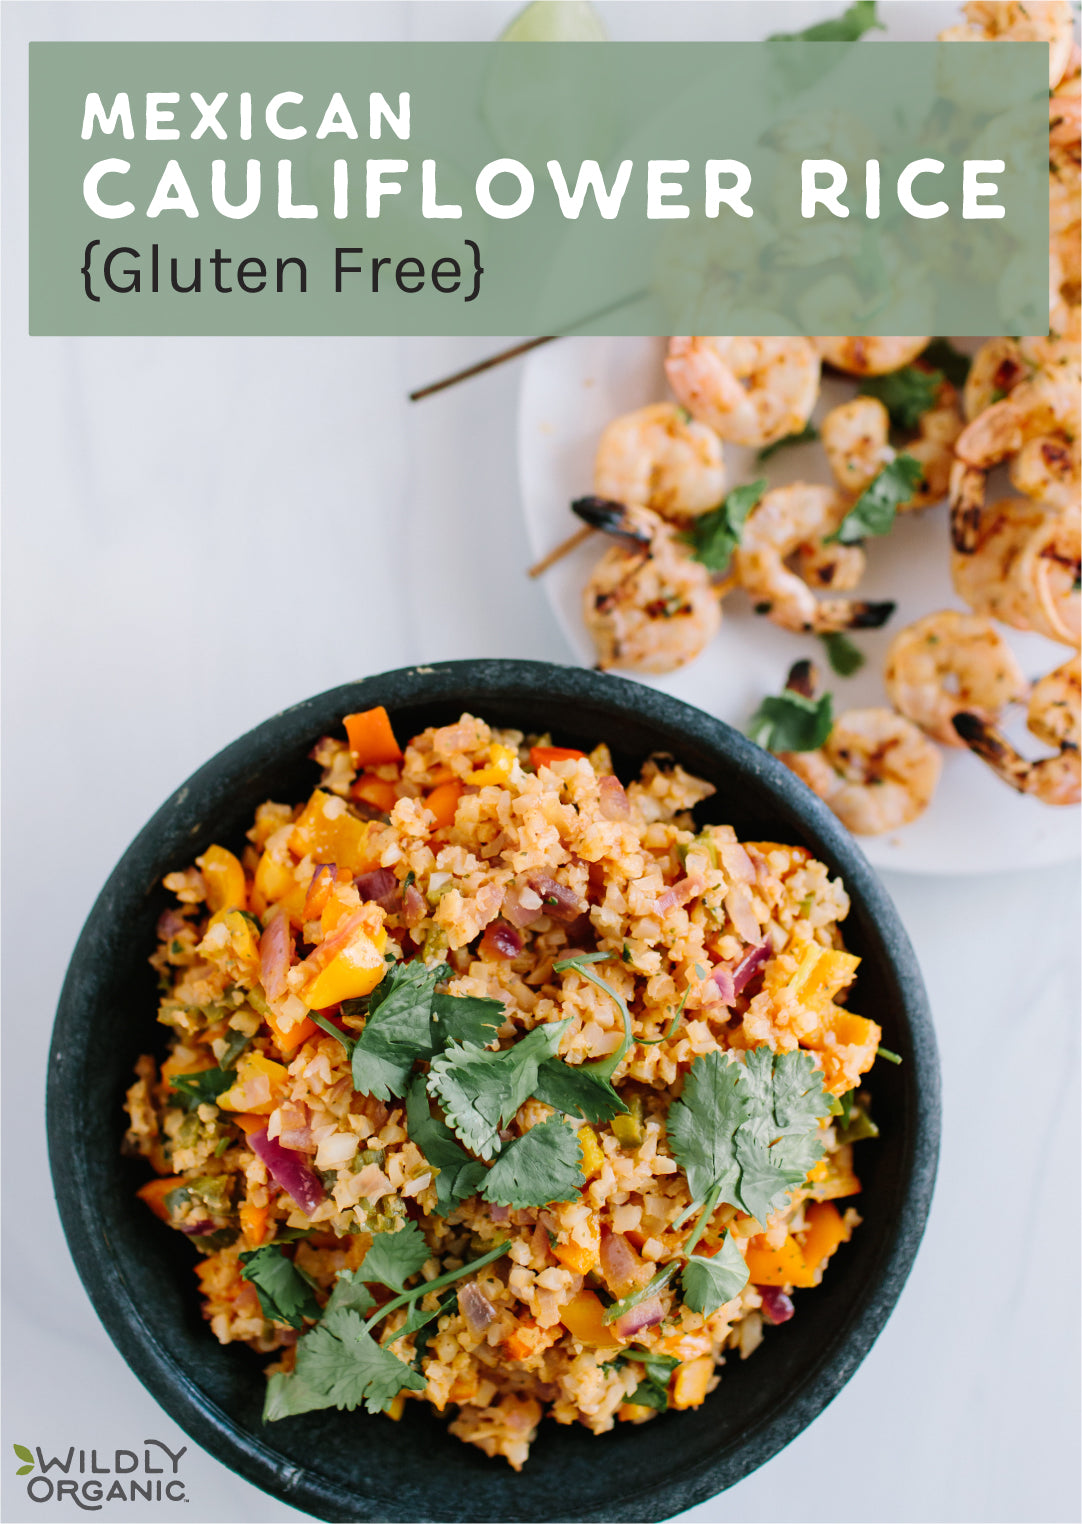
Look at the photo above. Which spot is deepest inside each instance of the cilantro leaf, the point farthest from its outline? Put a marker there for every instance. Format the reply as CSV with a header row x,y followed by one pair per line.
x,y
235,1046
747,1133
850,26
792,722
714,536
844,657
873,511
907,394
193,1090
481,1091
712,1094
779,1143
952,362
574,1090
709,1283
653,1390
807,435
543,1166
288,1395
397,1030
419,1319
625,1304
350,1293
342,1362
458,1175
466,1019
394,1257
285,1292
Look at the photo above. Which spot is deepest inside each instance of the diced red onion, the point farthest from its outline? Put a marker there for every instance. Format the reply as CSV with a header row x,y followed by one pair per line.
x,y
500,1213
414,908
290,1170
380,886
777,1307
275,954
559,901
645,1315
612,800
736,862
620,1264
475,1307
169,924
749,966
739,909
678,894
199,1229
522,905
500,941
723,978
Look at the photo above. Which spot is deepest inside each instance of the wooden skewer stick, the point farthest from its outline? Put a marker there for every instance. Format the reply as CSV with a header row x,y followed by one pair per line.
x,y
565,548
482,365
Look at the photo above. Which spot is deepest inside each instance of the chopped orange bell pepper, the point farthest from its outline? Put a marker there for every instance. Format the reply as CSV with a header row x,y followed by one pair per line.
x,y
519,1344
855,1031
371,739
155,1192
443,801
253,1223
396,1407
248,1121
582,1258
374,791
328,832
777,1267
826,1230
542,756
276,884
584,1318
258,1085
288,1040
223,878
690,1381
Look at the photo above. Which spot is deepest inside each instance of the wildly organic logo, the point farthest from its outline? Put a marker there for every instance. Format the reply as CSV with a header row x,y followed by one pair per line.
x,y
130,1476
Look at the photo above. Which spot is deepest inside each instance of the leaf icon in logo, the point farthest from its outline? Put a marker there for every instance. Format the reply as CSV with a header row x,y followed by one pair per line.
x,y
24,1455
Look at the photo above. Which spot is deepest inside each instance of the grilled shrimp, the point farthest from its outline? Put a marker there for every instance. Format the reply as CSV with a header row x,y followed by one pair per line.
x,y
1064,149
657,457
869,356
1020,21
949,662
753,391
1024,568
876,770
649,606
856,437
1053,718
785,520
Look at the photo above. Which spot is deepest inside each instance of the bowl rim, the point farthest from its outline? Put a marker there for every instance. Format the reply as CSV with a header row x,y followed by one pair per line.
x,y
134,1334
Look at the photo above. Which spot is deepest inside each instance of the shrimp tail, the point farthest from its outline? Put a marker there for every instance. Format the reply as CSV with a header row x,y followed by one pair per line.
x,y
967,505
610,517
870,616
986,742
803,678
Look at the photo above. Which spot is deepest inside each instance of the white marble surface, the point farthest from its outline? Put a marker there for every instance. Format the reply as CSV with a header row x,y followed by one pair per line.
x,y
155,606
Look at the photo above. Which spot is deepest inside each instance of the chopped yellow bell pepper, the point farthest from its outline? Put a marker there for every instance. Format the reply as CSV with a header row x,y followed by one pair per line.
x,y
584,1318
501,759
593,1157
258,1086
825,1231
352,971
329,833
690,1381
275,884
777,1267
823,973
243,941
223,878
582,1258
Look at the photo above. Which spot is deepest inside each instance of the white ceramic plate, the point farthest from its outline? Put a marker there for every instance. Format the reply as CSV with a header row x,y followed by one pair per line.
x,y
571,389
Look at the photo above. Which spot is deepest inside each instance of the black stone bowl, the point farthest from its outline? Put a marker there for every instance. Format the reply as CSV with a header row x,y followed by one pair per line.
x,y
348,1466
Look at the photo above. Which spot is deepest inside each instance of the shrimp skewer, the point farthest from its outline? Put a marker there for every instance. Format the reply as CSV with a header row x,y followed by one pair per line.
x,y
949,648
753,391
657,457
649,605
785,521
1054,719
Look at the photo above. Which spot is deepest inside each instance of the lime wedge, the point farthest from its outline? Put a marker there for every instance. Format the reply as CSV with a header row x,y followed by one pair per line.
x,y
556,21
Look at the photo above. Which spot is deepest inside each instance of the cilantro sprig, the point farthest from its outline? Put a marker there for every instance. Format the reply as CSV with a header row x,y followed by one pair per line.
x,y
844,657
907,394
715,535
950,361
340,1364
874,510
791,721
850,26
807,435
285,1292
